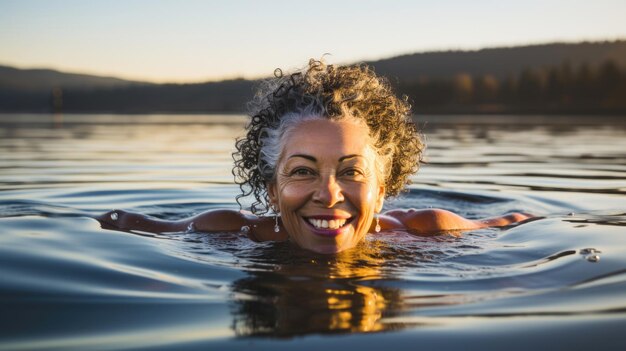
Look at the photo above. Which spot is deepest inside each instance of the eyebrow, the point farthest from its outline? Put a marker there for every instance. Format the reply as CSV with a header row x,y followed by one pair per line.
x,y
313,159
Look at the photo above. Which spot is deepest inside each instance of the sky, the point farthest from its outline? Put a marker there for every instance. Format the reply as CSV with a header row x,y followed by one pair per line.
x,y
192,41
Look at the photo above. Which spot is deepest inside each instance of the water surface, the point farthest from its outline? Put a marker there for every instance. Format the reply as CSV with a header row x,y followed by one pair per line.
x,y
68,284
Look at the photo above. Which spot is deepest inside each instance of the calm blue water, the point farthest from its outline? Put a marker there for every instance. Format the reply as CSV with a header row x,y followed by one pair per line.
x,y
67,284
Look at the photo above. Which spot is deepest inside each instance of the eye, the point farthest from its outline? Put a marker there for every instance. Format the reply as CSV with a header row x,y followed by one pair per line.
x,y
352,172
301,171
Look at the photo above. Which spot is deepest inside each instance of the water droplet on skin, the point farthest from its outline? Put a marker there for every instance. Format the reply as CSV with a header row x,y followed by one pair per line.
x,y
190,228
114,216
593,258
245,229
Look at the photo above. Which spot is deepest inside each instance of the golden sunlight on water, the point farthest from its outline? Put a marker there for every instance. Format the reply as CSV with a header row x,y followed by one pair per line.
x,y
358,308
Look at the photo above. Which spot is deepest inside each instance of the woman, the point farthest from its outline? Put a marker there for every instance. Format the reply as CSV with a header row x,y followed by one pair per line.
x,y
324,148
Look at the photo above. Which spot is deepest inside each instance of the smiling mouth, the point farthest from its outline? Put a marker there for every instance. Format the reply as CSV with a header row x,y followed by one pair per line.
x,y
328,224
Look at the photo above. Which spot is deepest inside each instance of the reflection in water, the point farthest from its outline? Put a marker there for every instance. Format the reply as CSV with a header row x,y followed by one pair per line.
x,y
57,120
359,290
308,293
617,219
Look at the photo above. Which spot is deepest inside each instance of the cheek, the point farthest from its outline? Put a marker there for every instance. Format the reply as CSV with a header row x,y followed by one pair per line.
x,y
369,193
369,199
293,194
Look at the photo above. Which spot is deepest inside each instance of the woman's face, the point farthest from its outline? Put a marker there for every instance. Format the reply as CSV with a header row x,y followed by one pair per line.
x,y
326,187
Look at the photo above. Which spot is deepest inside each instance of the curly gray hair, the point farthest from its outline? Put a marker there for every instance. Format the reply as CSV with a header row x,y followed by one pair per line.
x,y
335,93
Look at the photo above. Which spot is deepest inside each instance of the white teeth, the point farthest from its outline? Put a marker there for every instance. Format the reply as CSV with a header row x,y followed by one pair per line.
x,y
327,224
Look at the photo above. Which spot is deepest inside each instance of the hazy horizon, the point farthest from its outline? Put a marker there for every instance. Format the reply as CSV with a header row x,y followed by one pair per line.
x,y
268,74
196,41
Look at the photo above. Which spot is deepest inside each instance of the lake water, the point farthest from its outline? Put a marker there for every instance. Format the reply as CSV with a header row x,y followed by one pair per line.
x,y
558,282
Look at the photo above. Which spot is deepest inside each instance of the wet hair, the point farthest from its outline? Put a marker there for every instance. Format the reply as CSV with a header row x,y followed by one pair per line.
x,y
332,92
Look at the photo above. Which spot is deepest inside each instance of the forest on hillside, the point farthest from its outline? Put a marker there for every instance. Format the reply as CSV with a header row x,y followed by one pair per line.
x,y
556,89
560,78
582,89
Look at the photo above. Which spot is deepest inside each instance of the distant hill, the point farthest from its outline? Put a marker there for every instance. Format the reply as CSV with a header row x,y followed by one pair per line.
x,y
212,97
583,78
499,62
36,80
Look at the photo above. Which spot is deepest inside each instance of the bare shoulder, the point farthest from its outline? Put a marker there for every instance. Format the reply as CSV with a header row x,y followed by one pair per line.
x,y
436,220
258,228
218,220
264,229
432,220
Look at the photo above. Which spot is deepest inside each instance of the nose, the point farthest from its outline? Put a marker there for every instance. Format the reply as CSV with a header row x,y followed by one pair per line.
x,y
329,192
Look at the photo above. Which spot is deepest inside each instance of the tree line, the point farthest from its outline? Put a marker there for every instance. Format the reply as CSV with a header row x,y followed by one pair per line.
x,y
555,89
561,89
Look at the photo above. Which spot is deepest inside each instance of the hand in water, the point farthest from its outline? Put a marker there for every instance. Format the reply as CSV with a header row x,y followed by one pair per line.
x,y
115,219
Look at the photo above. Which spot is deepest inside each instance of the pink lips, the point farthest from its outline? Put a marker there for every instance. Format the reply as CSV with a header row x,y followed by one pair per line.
x,y
326,232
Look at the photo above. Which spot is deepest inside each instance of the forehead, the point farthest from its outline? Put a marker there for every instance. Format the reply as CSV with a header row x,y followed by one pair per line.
x,y
323,138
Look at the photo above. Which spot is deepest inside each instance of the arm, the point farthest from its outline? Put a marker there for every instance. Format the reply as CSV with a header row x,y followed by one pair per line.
x,y
210,221
436,220
504,220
